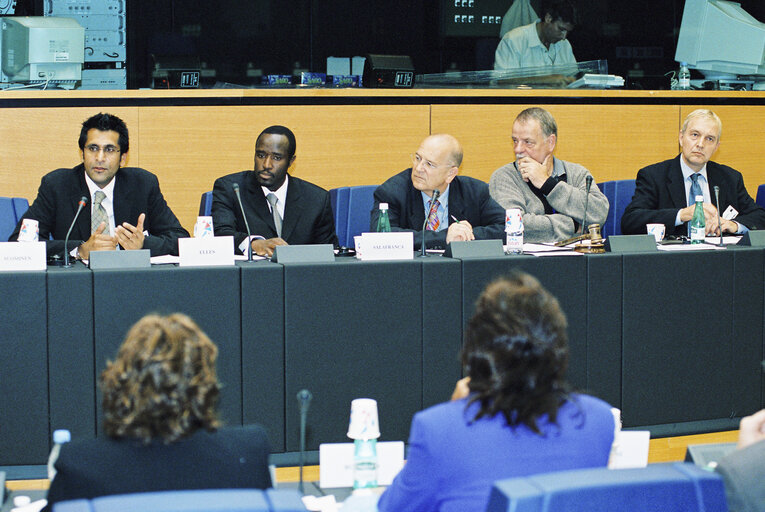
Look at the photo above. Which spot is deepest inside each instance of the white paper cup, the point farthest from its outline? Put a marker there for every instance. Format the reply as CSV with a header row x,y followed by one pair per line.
x,y
657,230
30,231
204,227
357,245
363,423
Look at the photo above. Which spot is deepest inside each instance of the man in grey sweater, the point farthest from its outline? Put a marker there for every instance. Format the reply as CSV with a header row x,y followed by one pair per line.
x,y
550,192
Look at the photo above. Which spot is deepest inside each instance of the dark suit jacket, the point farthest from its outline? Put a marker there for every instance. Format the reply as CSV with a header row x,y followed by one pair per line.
x,y
231,458
660,193
469,200
307,219
136,191
743,472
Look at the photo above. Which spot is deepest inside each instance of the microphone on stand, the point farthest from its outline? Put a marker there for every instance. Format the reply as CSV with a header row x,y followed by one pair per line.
x,y
80,206
304,398
719,225
235,186
586,202
436,193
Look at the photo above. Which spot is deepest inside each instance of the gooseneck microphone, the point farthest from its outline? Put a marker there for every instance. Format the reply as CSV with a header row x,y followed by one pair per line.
x,y
719,224
436,193
304,401
80,206
235,186
586,202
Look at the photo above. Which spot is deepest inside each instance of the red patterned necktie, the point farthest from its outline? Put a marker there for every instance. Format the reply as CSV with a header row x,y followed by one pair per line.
x,y
433,221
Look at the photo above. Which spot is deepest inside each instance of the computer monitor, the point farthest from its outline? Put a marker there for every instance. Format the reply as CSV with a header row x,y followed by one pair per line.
x,y
721,39
41,50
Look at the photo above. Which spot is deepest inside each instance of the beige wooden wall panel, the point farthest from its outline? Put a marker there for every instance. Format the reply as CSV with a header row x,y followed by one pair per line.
x,y
741,145
34,141
189,147
612,141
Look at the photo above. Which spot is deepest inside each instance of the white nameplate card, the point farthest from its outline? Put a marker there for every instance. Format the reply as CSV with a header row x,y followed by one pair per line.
x,y
209,251
22,256
336,463
387,246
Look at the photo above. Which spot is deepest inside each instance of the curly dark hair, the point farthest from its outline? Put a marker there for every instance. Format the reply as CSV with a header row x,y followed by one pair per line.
x,y
163,383
516,352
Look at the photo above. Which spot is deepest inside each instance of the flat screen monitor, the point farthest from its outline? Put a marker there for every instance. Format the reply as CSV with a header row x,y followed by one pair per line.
x,y
721,39
40,49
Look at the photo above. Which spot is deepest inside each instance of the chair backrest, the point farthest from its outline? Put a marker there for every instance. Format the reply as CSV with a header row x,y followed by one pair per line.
x,y
622,193
20,206
608,188
360,202
339,198
7,218
205,204
204,500
680,487
760,196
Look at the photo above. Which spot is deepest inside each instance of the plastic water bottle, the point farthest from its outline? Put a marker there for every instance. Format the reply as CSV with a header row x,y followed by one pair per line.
x,y
365,464
683,78
383,221
698,224
59,437
513,231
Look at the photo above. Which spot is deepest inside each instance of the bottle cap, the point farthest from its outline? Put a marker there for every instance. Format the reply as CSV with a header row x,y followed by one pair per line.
x,y
699,199
383,206
683,64
61,436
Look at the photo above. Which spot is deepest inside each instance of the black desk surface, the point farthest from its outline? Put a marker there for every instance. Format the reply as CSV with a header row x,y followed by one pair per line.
x,y
673,339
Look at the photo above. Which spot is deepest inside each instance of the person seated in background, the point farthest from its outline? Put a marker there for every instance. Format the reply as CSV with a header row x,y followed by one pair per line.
x,y
513,415
665,193
162,429
125,209
281,209
463,211
743,470
540,44
550,192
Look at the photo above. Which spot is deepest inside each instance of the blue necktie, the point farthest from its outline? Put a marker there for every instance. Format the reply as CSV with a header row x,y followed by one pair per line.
x,y
695,189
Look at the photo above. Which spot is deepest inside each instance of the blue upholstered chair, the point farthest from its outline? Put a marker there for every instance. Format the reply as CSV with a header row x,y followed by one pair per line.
x,y
206,500
619,194
679,487
760,200
339,198
360,202
20,206
8,218
205,204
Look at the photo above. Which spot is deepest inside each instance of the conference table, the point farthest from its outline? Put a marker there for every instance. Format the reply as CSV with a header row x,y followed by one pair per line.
x,y
674,339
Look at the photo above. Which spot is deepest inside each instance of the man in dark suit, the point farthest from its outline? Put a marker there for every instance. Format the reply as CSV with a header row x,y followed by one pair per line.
x,y
665,192
125,206
280,209
464,209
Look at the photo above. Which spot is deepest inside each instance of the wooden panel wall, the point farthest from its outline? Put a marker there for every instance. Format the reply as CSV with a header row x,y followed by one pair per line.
x,y
358,144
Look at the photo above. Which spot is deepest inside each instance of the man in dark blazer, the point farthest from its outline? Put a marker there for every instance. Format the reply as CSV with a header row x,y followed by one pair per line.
x,y
303,210
663,191
124,208
465,210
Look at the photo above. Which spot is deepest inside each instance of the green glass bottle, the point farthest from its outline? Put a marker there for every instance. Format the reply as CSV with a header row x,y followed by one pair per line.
x,y
698,224
383,221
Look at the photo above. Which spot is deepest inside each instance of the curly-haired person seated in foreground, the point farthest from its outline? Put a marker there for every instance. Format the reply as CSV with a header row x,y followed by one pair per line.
x,y
163,433
512,416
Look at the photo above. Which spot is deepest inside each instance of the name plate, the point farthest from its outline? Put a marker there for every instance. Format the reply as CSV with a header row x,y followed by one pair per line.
x,y
22,256
387,246
317,253
100,260
209,251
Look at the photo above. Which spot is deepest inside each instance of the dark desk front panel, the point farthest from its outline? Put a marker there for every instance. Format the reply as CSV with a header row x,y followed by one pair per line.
x,y
71,366
263,397
24,429
352,330
678,338
211,296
